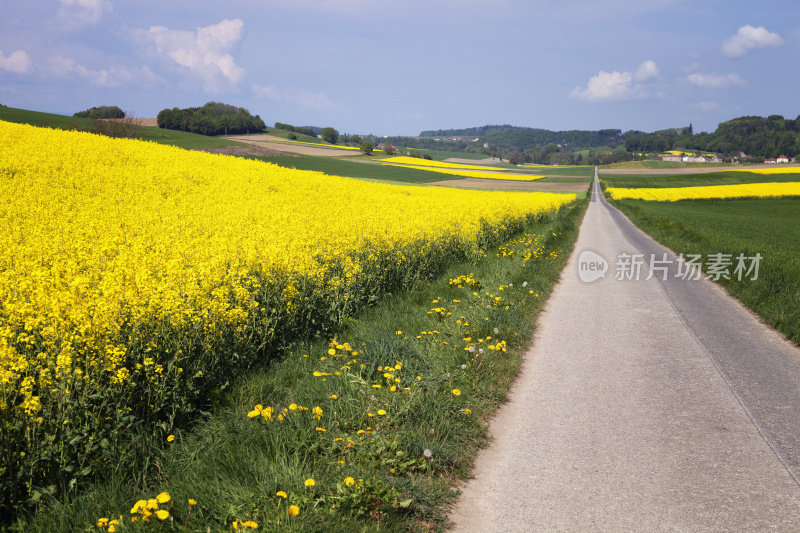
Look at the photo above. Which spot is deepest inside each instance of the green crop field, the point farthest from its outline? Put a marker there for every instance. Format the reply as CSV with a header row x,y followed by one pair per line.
x,y
45,120
765,226
695,180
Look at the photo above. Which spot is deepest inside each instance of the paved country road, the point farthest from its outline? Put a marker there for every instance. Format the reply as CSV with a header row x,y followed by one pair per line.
x,y
643,405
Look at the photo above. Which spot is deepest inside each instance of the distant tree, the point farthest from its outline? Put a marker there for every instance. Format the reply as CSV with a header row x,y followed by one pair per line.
x,y
330,135
366,147
388,149
515,158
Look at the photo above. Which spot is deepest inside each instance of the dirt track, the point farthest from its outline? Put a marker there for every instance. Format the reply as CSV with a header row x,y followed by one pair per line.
x,y
470,183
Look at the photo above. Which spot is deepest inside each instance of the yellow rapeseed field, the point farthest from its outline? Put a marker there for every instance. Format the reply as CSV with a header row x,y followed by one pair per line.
x,y
416,161
487,175
671,194
776,170
136,277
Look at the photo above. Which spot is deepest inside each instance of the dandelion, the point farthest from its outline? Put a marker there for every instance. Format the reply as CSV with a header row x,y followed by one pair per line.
x,y
349,481
333,397
321,430
399,332
293,510
427,453
468,411
463,367
524,284
162,514
170,438
456,392
317,412
164,497
192,502
381,412
310,482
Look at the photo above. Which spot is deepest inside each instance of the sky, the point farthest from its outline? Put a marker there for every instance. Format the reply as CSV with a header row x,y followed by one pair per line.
x,y
398,68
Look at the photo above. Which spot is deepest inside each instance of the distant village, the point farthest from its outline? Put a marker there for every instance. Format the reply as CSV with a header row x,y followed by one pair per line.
x,y
712,158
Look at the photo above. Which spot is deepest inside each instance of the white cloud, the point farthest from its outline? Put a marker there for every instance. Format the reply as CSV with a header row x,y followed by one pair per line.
x,y
204,52
315,101
618,85
18,62
647,71
114,76
80,13
715,81
749,38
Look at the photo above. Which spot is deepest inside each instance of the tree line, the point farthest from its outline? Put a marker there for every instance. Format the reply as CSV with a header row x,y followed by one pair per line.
x,y
214,118
755,136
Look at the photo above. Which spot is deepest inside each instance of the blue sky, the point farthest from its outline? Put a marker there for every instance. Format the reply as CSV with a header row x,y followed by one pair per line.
x,y
396,68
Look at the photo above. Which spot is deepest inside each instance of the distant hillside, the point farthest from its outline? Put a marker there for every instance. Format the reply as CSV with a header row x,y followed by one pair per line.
x,y
519,139
755,136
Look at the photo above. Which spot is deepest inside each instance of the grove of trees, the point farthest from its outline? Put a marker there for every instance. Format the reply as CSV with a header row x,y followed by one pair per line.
x,y
214,118
103,111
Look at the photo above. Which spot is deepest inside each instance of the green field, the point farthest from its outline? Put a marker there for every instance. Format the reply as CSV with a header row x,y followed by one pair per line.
x,y
45,120
404,459
766,226
302,137
695,180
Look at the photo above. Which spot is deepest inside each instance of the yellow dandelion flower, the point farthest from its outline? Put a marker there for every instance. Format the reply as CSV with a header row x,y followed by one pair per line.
x,y
164,497
162,514
293,510
281,494
170,438
349,481
456,392
381,412
192,502
310,482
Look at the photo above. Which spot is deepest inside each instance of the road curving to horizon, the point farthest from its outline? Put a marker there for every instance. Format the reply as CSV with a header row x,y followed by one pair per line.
x,y
649,405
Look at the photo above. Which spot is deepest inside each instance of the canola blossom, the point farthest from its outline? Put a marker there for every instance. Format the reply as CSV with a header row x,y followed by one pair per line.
x,y
672,194
416,161
473,173
775,170
136,277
